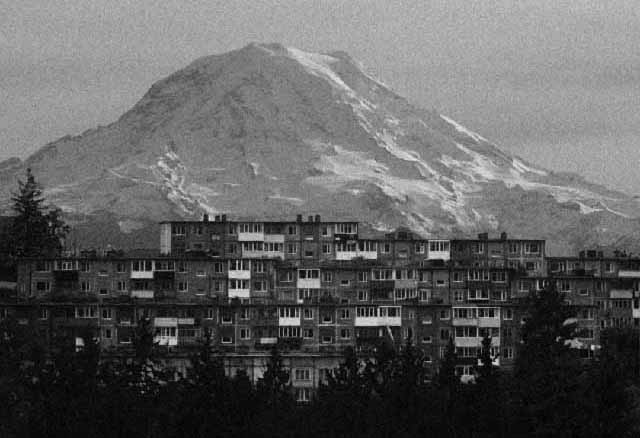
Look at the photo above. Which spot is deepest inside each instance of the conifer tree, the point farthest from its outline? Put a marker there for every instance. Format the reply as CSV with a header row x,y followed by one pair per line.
x,y
35,230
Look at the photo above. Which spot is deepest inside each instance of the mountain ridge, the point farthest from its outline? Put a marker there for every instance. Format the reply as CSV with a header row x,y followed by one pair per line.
x,y
269,130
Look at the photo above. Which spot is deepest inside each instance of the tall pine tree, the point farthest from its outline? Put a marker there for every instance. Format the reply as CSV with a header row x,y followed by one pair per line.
x,y
36,230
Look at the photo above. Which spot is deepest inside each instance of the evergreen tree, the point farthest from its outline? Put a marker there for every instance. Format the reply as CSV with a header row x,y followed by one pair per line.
x,y
35,230
548,371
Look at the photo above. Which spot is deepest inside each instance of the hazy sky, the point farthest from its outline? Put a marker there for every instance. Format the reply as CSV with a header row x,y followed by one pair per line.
x,y
557,82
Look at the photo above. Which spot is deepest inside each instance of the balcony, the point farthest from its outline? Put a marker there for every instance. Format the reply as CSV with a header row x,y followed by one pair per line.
x,y
146,294
239,275
627,273
239,293
142,275
378,321
186,321
165,322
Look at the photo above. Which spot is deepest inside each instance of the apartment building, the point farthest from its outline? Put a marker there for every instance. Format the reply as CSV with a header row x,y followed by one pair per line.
x,y
314,287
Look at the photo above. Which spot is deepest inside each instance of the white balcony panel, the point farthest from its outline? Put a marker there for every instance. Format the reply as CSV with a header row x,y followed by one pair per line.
x,y
142,294
268,341
368,255
378,321
274,238
308,283
253,254
636,313
240,275
488,322
250,237
346,255
626,273
439,255
142,275
165,322
295,321
274,254
621,293
166,341
467,342
239,293
465,321
186,321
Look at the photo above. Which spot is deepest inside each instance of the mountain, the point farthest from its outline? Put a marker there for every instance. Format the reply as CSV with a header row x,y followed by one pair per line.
x,y
271,131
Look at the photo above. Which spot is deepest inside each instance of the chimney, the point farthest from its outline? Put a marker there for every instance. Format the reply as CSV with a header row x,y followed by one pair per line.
x,y
205,218
483,236
318,218
310,218
216,218
581,254
299,218
503,236
223,218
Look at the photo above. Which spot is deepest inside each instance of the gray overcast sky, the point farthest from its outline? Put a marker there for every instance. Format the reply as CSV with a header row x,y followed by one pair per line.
x,y
555,81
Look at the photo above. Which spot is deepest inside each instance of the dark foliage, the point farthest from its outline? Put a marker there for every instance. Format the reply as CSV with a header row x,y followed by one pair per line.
x,y
551,392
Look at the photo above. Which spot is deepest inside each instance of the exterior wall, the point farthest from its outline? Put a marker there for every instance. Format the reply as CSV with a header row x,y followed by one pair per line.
x,y
409,288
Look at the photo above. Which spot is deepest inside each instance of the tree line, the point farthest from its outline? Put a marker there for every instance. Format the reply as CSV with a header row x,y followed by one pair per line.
x,y
551,392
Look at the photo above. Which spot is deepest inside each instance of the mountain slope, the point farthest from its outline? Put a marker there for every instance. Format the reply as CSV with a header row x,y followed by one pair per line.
x,y
273,131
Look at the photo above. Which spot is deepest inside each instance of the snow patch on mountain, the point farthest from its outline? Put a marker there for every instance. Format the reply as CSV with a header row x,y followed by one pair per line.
x,y
171,171
461,129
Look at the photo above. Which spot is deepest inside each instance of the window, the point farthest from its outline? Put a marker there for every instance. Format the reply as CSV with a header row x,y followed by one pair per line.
x,y
458,295
345,314
86,312
43,286
477,248
103,291
386,248
244,314
325,230
106,313
363,295
227,318
106,333
457,277
289,331
239,265
609,267
514,248
303,374
258,266
427,340
531,248
227,340
344,282
326,248
444,334
183,286
326,340
327,318
466,332
178,230
444,314
307,313
43,313
292,230
498,276
251,228
346,228
345,334
307,333
308,253
288,276
564,286
438,245
363,276
260,286
419,248
305,294
308,274
85,286
366,312
292,248
235,284
507,314
327,276
245,334
507,353
487,312
478,294
289,312
303,395
43,266
211,313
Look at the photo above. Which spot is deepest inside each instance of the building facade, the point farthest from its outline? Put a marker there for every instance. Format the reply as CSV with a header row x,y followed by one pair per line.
x,y
314,287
